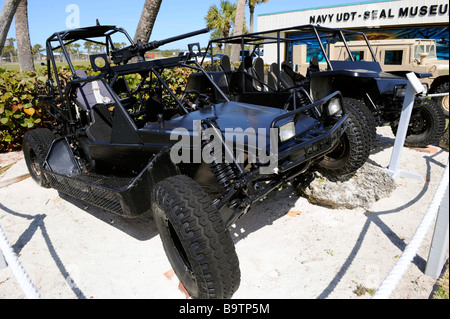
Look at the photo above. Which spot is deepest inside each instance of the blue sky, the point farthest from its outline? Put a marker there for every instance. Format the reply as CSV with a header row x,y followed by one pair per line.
x,y
175,16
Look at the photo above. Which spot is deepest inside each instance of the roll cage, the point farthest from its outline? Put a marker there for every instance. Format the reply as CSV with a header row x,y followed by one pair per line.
x,y
322,35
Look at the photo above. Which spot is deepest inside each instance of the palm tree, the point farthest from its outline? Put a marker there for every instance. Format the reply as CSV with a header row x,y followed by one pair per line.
x,y
6,17
238,28
88,46
77,50
148,17
23,37
37,49
10,49
251,5
221,20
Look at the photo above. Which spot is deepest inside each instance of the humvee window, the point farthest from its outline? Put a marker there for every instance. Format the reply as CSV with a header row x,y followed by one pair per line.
x,y
358,55
393,57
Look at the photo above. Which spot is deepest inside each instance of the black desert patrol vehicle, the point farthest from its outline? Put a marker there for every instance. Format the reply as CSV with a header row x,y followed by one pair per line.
x,y
185,158
315,61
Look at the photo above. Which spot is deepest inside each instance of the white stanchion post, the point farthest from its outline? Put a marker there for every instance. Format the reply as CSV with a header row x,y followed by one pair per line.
x,y
439,244
412,88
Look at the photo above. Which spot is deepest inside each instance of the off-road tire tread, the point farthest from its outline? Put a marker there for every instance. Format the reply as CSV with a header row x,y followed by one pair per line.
x,y
40,141
361,134
200,228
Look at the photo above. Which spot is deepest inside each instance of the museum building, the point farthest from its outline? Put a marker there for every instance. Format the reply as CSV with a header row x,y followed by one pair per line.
x,y
379,20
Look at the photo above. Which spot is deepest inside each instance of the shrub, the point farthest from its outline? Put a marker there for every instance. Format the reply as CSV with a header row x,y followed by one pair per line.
x,y
20,106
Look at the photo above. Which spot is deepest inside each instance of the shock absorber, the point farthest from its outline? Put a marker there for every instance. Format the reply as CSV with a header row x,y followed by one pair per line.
x,y
224,174
222,170
303,99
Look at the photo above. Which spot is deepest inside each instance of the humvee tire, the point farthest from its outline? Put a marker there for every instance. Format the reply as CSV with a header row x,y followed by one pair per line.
x,y
197,244
36,144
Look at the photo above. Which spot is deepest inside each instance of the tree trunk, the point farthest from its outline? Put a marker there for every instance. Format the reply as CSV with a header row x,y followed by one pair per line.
x,y
148,17
238,27
23,37
252,17
6,16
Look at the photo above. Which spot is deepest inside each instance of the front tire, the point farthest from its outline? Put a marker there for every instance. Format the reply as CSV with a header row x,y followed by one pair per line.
x,y
353,149
197,244
36,144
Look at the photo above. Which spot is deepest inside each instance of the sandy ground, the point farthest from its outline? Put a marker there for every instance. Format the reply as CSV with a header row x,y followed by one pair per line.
x,y
73,250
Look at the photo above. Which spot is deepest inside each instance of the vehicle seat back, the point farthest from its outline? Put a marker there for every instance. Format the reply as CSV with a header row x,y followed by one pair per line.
x,y
101,128
313,66
289,76
225,63
258,66
272,76
91,93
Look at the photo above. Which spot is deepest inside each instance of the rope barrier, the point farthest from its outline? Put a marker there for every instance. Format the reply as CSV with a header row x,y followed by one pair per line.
x,y
436,95
19,272
390,282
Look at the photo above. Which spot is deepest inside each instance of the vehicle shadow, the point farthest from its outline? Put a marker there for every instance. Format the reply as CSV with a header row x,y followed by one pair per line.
x,y
38,224
141,227
264,213
373,217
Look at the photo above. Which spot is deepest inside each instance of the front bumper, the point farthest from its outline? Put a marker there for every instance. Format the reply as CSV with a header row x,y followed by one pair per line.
x,y
312,141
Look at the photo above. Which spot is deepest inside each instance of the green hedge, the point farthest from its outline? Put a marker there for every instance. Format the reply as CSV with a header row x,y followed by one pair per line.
x,y
20,107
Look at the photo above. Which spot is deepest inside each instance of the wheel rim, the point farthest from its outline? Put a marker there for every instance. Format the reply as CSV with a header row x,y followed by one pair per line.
x,y
178,247
338,156
419,123
34,164
445,102
182,263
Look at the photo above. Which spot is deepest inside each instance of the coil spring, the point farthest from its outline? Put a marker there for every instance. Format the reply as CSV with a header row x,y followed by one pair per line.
x,y
224,174
303,100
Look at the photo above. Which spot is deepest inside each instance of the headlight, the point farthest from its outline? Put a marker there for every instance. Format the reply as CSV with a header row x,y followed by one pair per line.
x,y
334,107
287,131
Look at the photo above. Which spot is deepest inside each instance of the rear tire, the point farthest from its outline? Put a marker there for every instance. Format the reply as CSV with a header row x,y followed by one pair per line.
x,y
36,144
425,127
197,244
353,149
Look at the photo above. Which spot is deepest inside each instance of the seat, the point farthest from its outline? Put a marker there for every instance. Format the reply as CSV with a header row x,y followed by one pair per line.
x,y
272,76
258,66
225,63
289,70
91,93
101,128
313,66
94,98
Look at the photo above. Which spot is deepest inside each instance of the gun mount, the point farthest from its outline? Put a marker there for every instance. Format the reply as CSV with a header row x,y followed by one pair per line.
x,y
139,49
